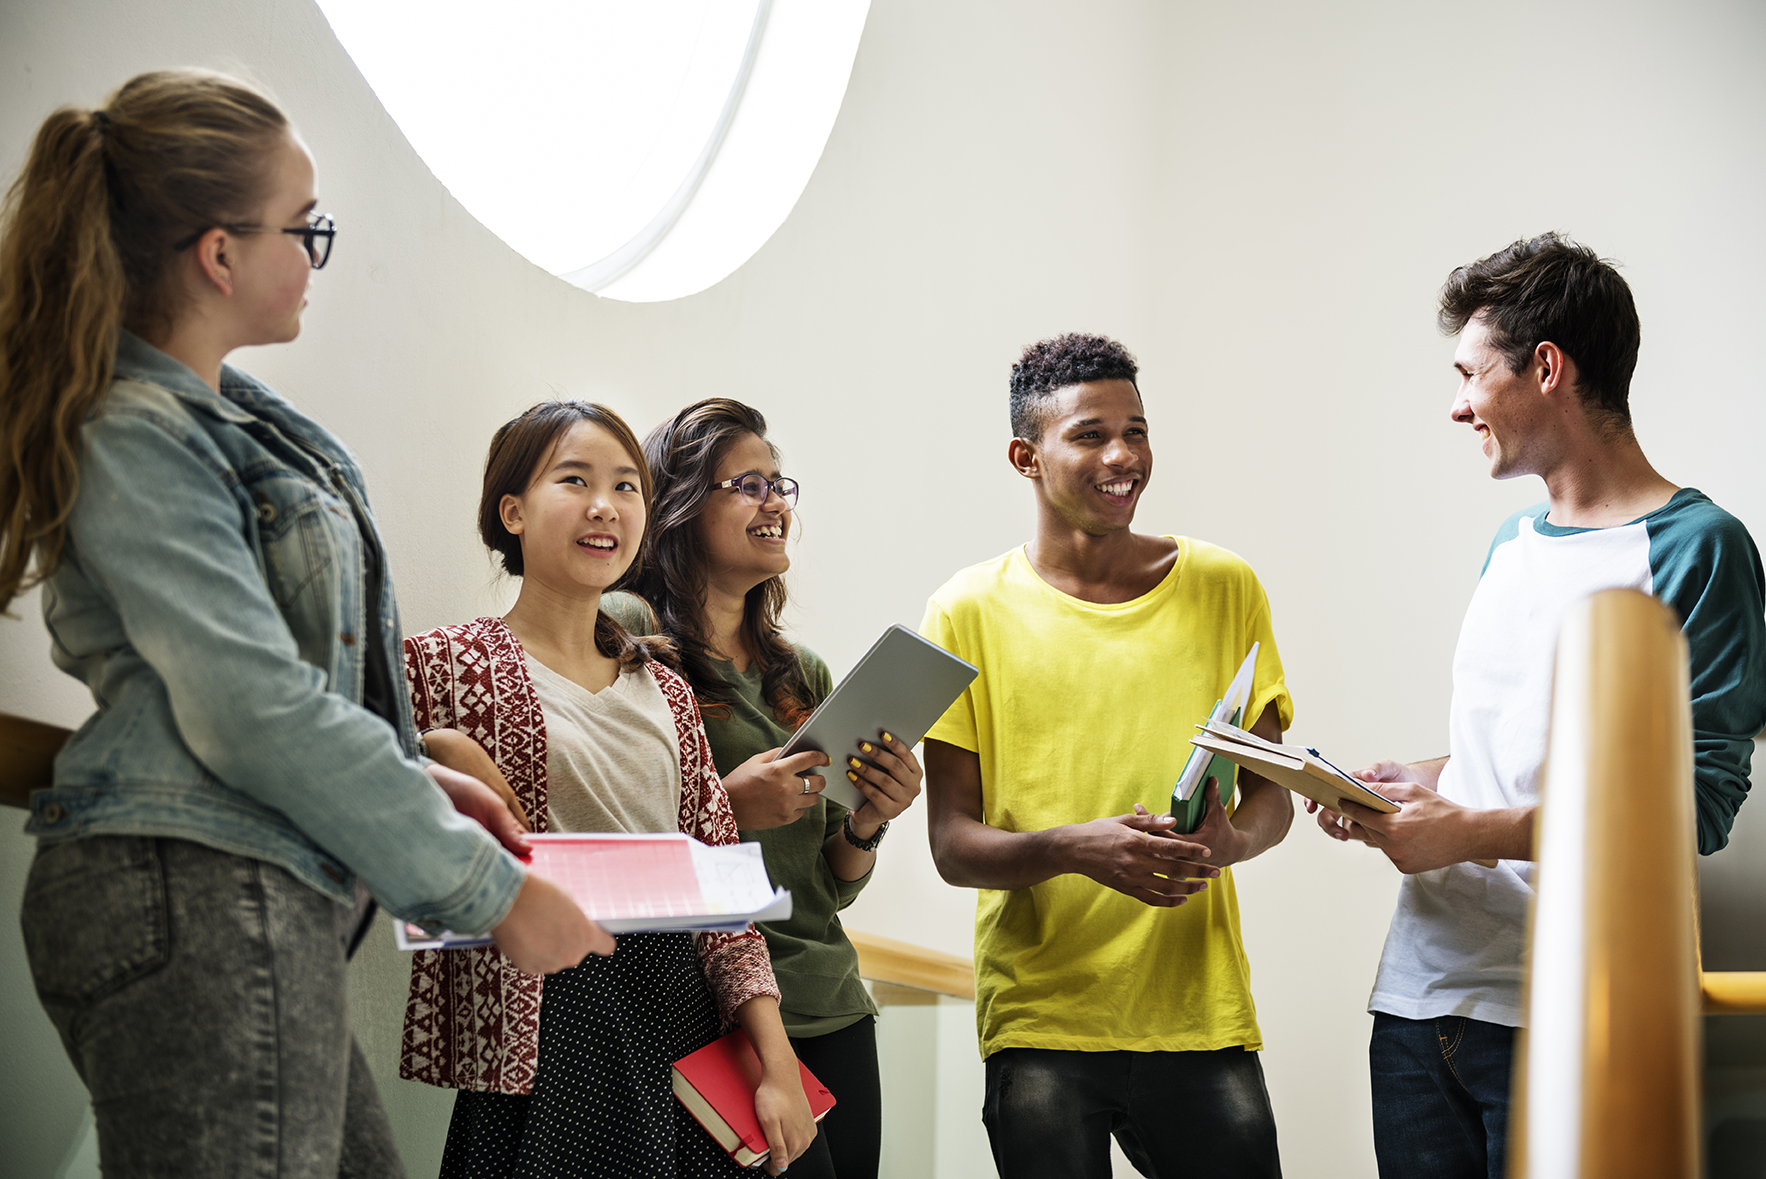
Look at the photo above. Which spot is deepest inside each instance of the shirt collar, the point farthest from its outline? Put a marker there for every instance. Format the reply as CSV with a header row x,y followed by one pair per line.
x,y
137,360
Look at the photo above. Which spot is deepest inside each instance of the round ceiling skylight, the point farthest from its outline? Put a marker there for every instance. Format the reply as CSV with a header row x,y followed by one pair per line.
x,y
642,151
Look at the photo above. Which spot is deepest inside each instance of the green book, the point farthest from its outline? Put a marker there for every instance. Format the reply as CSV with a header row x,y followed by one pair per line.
x,y
1189,798
1189,812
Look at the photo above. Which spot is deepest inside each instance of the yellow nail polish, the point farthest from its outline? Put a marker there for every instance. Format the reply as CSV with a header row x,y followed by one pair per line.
x,y
887,737
851,775
865,745
854,762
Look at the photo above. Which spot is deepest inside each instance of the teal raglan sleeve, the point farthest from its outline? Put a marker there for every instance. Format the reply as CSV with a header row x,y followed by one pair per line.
x,y
1510,529
1705,565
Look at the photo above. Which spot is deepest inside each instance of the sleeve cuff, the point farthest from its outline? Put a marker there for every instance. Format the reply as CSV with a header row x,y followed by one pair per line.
x,y
846,891
493,880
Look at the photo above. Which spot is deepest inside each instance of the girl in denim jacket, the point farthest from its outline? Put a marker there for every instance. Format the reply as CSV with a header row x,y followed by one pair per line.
x,y
251,776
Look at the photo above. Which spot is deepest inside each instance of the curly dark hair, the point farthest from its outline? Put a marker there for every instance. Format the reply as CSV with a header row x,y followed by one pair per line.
x,y
518,448
683,455
1049,365
1552,288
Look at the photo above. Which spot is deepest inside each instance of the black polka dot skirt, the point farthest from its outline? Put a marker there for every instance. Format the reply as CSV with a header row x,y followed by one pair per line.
x,y
602,1102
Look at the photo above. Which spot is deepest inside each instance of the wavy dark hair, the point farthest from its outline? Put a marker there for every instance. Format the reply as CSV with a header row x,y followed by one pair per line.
x,y
683,456
1553,288
518,449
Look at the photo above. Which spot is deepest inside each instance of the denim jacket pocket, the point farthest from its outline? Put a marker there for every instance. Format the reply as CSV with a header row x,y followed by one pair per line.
x,y
309,542
94,917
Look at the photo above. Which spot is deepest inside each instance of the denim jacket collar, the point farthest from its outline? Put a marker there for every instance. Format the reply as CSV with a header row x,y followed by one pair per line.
x,y
243,400
137,360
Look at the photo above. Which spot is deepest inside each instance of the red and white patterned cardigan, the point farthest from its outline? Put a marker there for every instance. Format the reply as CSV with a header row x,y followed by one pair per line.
x,y
473,1020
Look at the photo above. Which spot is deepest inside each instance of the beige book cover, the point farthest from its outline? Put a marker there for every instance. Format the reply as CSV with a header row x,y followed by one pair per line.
x,y
1294,766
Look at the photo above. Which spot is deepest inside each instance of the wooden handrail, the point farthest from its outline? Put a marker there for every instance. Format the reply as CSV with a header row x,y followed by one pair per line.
x,y
890,963
1607,1084
27,757
1734,992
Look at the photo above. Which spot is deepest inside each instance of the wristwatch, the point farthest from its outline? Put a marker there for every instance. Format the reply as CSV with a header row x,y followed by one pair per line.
x,y
863,844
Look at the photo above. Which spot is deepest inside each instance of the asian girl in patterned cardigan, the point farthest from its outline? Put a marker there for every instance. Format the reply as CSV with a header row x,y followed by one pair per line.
x,y
587,730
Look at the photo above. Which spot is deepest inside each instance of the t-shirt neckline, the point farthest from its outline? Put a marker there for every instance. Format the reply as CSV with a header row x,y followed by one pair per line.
x,y
592,699
1165,584
1545,528
727,668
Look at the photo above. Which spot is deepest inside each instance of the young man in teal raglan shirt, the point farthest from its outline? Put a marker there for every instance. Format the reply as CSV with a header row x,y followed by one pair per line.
x,y
1548,341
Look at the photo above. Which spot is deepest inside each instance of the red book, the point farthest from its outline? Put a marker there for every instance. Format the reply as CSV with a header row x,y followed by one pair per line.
x,y
717,1085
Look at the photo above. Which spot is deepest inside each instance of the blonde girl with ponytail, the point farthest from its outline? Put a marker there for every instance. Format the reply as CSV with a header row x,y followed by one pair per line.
x,y
250,783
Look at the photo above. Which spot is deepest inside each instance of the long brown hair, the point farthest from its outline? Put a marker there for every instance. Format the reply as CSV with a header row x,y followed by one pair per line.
x,y
684,454
87,238
517,450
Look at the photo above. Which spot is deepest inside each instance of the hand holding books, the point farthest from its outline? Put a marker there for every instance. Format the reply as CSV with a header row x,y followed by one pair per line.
x,y
1428,831
1304,771
1189,799
719,1083
628,882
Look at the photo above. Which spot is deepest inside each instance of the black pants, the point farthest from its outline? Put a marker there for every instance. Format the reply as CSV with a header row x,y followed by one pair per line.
x,y
851,1135
1199,1115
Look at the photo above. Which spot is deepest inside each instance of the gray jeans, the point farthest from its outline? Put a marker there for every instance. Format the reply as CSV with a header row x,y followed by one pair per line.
x,y
201,997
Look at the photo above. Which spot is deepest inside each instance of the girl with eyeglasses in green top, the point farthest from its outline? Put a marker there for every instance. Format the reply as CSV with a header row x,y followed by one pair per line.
x,y
713,583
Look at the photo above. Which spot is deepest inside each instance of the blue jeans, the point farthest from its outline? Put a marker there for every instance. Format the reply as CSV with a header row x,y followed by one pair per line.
x,y
1195,1115
1440,1096
201,998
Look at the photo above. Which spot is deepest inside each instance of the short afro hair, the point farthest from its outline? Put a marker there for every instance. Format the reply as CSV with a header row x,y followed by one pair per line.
x,y
1051,365
1552,288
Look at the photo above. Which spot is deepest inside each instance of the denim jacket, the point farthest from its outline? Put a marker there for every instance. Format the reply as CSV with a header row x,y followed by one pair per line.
x,y
211,596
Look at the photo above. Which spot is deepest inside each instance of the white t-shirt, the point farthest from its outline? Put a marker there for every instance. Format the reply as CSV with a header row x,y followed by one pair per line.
x,y
613,760
1458,937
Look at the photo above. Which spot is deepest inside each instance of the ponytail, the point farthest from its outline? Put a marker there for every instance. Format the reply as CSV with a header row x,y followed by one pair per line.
x,y
87,237
61,295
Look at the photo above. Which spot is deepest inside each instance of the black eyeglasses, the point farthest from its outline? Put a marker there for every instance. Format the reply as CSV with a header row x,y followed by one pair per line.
x,y
316,236
757,489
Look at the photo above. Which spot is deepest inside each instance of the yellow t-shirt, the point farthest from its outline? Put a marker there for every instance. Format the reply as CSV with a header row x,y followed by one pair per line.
x,y
1082,710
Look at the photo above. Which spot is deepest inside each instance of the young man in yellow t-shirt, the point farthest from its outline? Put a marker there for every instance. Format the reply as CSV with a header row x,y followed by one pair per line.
x,y
1112,991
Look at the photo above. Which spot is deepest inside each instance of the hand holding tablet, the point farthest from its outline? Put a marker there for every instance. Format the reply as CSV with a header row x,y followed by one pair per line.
x,y
901,687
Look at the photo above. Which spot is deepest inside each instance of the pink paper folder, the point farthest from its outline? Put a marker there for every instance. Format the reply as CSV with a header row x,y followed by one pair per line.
x,y
629,883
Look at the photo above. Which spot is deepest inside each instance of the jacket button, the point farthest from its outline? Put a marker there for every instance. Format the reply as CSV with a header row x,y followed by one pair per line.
x,y
266,511
331,872
347,638
54,813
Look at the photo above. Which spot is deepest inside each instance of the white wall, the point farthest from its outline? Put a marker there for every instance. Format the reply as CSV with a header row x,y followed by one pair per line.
x,y
1260,199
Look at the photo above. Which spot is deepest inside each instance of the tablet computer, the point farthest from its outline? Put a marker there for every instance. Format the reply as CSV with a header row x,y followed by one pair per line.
x,y
902,686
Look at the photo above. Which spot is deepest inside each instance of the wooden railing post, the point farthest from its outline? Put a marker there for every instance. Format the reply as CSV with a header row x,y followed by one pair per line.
x,y
1607,1086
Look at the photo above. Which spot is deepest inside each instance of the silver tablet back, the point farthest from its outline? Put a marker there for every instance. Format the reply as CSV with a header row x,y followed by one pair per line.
x,y
902,686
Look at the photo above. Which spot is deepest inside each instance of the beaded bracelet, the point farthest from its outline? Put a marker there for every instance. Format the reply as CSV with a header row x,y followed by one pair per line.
x,y
863,844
